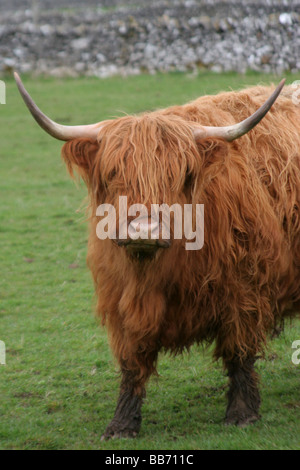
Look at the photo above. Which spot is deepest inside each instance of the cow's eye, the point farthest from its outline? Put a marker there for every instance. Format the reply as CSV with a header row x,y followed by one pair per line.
x,y
112,175
188,179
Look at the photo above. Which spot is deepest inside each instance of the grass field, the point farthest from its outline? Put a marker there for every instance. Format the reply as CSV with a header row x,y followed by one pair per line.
x,y
59,386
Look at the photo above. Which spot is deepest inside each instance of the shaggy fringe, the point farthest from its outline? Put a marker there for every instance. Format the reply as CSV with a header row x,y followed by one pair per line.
x,y
246,278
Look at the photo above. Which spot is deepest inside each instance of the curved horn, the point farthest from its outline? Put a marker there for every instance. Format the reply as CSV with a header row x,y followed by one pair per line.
x,y
53,128
235,131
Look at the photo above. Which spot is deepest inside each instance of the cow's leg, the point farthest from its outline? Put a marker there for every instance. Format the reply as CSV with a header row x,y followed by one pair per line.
x,y
243,396
127,418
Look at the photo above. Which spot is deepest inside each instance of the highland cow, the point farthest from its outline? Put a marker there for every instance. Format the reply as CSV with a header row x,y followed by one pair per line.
x,y
238,154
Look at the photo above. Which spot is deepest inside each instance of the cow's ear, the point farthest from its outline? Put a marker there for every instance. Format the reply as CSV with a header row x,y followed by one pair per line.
x,y
80,155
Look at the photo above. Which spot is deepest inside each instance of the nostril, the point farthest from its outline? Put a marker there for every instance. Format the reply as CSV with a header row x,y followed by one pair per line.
x,y
121,242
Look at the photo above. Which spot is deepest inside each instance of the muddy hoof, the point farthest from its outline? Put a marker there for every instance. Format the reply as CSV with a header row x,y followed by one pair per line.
x,y
241,419
114,431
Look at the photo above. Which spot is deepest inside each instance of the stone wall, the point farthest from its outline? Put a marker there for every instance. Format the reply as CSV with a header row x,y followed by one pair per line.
x,y
112,36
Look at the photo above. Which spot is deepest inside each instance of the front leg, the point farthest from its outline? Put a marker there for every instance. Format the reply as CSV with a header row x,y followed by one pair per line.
x,y
127,418
243,396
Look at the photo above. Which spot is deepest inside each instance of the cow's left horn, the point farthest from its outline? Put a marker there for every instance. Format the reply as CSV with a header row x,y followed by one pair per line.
x,y
237,130
56,130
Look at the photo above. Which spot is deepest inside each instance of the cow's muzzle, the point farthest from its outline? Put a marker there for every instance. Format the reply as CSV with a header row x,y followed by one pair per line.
x,y
144,237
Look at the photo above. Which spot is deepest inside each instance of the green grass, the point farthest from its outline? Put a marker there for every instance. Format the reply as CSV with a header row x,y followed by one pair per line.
x,y
59,387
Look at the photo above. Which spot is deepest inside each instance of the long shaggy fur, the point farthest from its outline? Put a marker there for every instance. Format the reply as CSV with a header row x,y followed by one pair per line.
x,y
246,277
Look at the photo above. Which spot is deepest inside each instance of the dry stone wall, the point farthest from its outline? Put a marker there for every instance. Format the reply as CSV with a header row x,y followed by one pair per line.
x,y
114,37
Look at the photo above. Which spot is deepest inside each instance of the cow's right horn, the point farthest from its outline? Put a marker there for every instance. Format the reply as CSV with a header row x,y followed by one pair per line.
x,y
56,130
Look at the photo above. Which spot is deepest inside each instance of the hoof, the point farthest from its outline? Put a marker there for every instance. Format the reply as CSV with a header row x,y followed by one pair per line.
x,y
118,434
241,420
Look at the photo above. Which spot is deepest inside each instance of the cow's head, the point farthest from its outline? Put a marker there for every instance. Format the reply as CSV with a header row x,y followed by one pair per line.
x,y
151,159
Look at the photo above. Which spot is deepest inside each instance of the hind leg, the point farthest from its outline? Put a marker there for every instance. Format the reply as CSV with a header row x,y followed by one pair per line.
x,y
243,396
